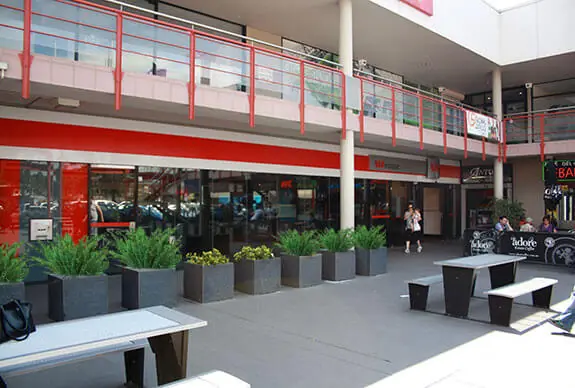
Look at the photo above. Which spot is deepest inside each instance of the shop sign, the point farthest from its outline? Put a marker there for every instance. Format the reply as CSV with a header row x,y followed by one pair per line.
x,y
483,126
564,170
484,174
433,165
553,193
425,6
396,165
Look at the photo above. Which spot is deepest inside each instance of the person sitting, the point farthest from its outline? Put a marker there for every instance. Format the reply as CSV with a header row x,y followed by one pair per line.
x,y
503,225
528,226
547,226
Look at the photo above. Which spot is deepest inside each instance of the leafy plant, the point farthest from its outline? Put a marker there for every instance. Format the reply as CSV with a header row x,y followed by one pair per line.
x,y
157,251
64,257
250,253
337,241
213,257
369,238
13,268
299,244
513,210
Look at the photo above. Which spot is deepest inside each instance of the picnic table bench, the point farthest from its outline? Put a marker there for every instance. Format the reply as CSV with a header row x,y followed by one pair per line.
x,y
55,344
459,276
501,299
419,290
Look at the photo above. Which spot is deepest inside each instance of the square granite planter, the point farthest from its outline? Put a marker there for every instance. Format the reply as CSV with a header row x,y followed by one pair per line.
x,y
337,266
10,291
73,297
301,271
209,283
370,262
145,287
258,276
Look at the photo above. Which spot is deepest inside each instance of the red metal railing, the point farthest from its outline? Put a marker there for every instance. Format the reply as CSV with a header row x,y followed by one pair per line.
x,y
539,127
127,42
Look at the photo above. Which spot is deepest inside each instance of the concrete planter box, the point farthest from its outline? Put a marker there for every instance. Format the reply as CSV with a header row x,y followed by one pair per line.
x,y
73,297
258,276
207,284
337,266
371,262
10,291
301,271
145,287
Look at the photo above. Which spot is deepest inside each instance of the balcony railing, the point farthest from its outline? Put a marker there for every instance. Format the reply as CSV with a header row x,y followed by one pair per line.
x,y
540,127
126,42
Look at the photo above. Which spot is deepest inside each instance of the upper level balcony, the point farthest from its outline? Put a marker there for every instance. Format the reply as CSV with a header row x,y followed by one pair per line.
x,y
137,66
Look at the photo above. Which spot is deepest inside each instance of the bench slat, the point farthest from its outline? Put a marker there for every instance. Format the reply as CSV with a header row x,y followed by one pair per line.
x,y
428,280
522,288
46,363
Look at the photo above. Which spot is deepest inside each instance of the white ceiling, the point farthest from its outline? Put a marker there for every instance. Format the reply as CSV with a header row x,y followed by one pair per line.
x,y
505,5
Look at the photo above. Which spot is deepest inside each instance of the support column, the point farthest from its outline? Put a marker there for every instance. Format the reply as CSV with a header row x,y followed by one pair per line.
x,y
529,88
347,173
498,111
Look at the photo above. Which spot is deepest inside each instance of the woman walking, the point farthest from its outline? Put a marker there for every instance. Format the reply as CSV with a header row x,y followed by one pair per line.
x,y
412,219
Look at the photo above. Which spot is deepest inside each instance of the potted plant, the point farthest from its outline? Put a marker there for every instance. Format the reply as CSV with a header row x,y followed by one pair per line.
x,y
149,274
208,277
257,271
370,250
13,270
301,263
77,285
338,258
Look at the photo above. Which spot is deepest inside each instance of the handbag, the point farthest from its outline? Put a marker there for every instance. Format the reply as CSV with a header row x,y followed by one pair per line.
x,y
16,321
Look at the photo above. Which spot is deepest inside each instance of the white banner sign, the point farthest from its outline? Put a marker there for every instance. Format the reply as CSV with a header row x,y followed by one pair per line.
x,y
483,126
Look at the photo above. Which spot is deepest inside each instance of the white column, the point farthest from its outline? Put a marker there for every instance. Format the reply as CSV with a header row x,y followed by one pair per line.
x,y
498,111
347,173
529,88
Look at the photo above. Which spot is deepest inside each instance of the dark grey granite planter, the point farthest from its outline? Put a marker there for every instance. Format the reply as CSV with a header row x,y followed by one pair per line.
x,y
73,297
301,271
10,291
337,266
144,287
207,284
371,262
258,276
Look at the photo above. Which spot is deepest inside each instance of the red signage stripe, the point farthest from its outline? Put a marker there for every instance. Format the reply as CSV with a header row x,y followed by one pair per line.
x,y
32,134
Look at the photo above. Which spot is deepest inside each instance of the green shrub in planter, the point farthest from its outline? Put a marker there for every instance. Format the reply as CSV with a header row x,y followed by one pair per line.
x,y
299,244
160,250
370,250
208,277
13,270
77,285
149,277
256,270
338,261
301,265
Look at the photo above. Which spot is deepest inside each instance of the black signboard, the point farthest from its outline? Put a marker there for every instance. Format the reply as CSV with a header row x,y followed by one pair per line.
x,y
564,171
548,248
484,174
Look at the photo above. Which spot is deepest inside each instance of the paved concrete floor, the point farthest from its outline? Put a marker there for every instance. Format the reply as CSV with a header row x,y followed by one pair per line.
x,y
349,334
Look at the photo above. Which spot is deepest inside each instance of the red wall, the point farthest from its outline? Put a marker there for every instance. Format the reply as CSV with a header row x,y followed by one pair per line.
x,y
9,201
75,200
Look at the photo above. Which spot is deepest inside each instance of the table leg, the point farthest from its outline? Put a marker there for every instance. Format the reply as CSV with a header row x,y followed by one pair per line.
x,y
458,286
171,352
502,275
134,365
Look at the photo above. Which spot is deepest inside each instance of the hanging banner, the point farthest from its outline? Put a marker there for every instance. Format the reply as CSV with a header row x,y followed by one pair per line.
x,y
483,126
425,6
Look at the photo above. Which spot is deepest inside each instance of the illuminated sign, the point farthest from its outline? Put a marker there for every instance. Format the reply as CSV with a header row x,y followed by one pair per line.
x,y
425,6
564,171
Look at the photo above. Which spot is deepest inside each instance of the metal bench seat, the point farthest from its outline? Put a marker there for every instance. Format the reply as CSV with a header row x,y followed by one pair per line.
x,y
501,299
419,290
